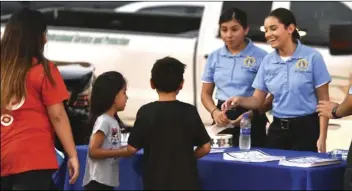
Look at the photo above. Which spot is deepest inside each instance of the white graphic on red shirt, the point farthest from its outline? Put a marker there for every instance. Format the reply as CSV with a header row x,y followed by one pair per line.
x,y
7,119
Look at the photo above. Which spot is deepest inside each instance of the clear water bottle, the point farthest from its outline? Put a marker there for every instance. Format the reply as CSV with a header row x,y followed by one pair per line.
x,y
245,133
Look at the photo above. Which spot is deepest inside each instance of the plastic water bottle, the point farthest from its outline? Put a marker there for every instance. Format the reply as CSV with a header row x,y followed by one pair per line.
x,y
245,133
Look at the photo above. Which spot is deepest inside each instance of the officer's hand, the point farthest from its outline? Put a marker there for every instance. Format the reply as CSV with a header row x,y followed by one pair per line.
x,y
233,102
325,108
220,118
321,145
237,121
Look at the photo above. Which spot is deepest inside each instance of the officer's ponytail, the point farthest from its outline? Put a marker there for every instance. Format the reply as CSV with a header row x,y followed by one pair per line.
x,y
295,35
286,17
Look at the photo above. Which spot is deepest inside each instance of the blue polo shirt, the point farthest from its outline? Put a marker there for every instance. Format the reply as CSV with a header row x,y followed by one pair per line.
x,y
293,82
233,75
350,90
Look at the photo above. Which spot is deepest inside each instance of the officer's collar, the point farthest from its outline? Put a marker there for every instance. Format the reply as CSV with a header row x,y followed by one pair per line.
x,y
296,55
248,51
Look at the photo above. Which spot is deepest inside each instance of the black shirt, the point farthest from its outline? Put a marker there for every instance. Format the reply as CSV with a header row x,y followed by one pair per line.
x,y
168,132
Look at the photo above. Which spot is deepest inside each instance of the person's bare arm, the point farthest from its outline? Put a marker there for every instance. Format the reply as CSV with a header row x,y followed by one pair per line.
x,y
251,103
345,108
206,96
62,127
202,151
323,95
97,152
210,106
267,105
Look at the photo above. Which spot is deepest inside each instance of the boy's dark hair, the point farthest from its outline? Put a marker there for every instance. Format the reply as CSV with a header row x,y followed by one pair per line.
x,y
167,74
286,17
234,13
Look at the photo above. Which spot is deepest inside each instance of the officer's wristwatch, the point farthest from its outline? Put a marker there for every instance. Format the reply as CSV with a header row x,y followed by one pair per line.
x,y
333,112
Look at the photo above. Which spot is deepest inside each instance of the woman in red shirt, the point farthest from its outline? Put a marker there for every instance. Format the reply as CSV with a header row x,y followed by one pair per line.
x,y
32,95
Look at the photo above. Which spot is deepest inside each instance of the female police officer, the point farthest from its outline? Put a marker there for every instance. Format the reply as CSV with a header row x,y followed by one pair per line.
x,y
232,69
297,77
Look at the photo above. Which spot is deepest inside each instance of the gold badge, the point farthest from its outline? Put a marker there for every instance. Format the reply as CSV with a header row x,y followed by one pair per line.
x,y
302,64
249,61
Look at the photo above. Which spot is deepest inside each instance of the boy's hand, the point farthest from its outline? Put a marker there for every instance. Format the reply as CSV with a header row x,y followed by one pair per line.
x,y
202,151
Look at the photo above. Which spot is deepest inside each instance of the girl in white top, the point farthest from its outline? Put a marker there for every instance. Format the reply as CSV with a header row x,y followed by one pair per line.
x,y
108,97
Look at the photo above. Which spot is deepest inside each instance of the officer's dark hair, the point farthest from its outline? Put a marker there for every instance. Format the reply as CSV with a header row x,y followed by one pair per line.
x,y
234,13
167,74
286,17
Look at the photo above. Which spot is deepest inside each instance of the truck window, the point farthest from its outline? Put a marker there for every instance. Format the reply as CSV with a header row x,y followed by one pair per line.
x,y
256,13
315,18
176,9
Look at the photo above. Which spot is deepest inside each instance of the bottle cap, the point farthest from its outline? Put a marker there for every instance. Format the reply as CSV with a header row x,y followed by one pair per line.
x,y
245,115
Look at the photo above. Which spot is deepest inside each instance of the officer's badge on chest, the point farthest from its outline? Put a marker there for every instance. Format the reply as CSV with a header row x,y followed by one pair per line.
x,y
302,65
249,61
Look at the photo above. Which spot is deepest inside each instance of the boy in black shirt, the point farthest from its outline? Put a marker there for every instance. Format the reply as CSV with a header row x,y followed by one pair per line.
x,y
168,130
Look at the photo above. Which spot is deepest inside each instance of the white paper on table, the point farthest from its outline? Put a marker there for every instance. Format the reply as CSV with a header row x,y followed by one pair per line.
x,y
251,156
309,161
217,150
215,129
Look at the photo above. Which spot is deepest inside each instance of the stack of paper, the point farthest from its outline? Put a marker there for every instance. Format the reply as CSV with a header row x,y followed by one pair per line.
x,y
250,156
309,161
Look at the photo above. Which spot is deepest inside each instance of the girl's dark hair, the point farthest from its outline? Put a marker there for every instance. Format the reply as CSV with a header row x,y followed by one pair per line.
x,y
234,13
21,42
105,89
286,17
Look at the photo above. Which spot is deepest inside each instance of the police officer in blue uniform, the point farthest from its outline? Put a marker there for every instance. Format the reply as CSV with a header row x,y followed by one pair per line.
x,y
232,69
297,76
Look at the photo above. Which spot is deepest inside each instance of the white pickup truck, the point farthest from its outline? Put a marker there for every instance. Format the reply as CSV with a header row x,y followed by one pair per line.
x,y
134,36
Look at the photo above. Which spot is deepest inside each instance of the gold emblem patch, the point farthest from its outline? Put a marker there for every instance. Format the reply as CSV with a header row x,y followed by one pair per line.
x,y
302,64
249,61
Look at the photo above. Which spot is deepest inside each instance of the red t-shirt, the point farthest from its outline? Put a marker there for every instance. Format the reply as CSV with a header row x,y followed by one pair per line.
x,y
27,135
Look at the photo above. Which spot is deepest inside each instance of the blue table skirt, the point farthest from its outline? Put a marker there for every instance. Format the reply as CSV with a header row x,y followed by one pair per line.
x,y
218,174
